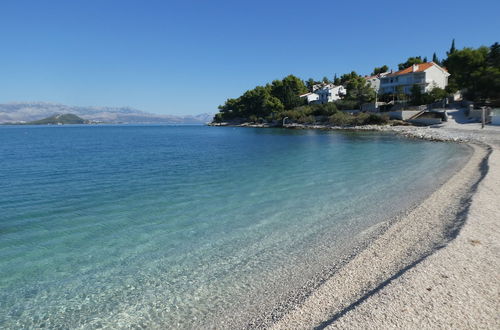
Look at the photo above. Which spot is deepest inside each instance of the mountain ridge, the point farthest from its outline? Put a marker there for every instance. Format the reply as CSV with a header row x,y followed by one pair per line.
x,y
32,111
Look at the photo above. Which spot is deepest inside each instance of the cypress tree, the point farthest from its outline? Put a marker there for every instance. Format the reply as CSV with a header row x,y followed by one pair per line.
x,y
452,48
435,59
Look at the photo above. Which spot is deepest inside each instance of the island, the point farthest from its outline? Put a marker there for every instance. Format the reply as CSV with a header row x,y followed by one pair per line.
x,y
58,119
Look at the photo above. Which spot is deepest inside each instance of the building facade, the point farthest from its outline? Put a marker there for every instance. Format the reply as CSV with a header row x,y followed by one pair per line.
x,y
374,81
425,75
325,94
310,97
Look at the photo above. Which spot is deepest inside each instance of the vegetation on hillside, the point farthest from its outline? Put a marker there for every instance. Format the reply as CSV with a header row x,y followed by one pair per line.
x,y
63,119
265,101
476,71
281,99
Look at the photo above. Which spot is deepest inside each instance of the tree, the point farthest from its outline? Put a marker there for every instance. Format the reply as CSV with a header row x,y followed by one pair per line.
x,y
409,62
400,94
488,83
435,59
288,91
416,95
494,55
382,69
466,67
475,70
425,59
336,80
257,102
231,109
325,80
218,117
310,84
437,94
265,101
357,88
419,98
452,48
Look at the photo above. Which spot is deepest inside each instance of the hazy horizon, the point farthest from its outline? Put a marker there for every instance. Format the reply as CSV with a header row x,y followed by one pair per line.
x,y
186,58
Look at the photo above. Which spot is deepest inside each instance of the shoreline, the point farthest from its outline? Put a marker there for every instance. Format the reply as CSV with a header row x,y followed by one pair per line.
x,y
295,299
354,296
429,133
431,226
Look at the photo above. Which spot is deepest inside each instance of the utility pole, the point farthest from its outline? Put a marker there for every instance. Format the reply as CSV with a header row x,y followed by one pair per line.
x,y
483,116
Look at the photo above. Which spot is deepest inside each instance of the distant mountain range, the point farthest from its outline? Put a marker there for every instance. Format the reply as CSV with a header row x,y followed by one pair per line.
x,y
31,111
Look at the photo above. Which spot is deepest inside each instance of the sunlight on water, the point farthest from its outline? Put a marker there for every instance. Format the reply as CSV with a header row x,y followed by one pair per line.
x,y
180,227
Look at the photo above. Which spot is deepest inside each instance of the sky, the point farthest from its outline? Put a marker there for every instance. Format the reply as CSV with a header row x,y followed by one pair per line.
x,y
188,57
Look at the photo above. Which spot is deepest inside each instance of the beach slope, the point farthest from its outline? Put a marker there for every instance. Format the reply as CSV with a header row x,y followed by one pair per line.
x,y
437,267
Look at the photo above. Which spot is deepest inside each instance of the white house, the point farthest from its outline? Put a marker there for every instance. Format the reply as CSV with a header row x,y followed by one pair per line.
x,y
324,94
374,81
426,75
310,97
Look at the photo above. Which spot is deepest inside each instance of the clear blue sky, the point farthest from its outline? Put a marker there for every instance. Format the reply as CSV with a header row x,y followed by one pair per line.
x,y
187,57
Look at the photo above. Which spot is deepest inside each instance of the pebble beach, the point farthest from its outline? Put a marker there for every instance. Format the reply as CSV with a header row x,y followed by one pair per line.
x,y
436,267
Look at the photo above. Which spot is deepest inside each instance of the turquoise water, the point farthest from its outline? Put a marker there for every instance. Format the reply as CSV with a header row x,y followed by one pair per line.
x,y
183,227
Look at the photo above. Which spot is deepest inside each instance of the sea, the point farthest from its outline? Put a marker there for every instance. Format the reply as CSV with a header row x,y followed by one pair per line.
x,y
184,227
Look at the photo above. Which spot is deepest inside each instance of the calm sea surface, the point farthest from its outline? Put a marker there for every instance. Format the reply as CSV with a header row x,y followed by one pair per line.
x,y
183,227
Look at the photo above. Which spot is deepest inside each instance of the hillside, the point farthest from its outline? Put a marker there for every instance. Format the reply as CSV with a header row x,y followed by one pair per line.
x,y
63,119
33,111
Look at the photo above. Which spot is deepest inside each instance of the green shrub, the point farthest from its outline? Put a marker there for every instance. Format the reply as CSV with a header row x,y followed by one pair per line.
x,y
252,118
218,117
347,104
341,119
360,119
306,120
364,118
326,109
376,119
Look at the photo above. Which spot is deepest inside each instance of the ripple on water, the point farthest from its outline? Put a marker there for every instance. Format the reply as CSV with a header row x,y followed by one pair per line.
x,y
186,226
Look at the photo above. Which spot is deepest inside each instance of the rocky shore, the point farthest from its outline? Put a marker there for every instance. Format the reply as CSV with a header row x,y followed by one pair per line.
x,y
419,132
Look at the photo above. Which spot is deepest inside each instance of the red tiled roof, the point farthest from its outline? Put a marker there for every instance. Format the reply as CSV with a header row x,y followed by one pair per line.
x,y
421,67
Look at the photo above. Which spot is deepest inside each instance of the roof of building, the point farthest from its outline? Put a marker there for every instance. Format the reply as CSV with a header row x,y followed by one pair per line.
x,y
378,75
416,68
306,94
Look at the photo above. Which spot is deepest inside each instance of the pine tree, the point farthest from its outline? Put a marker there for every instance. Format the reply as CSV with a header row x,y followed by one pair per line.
x,y
452,48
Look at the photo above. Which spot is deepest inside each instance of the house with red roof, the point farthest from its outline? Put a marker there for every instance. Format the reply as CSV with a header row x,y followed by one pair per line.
x,y
426,75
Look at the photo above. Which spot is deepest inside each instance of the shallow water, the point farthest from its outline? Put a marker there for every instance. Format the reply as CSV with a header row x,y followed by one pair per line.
x,y
182,227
